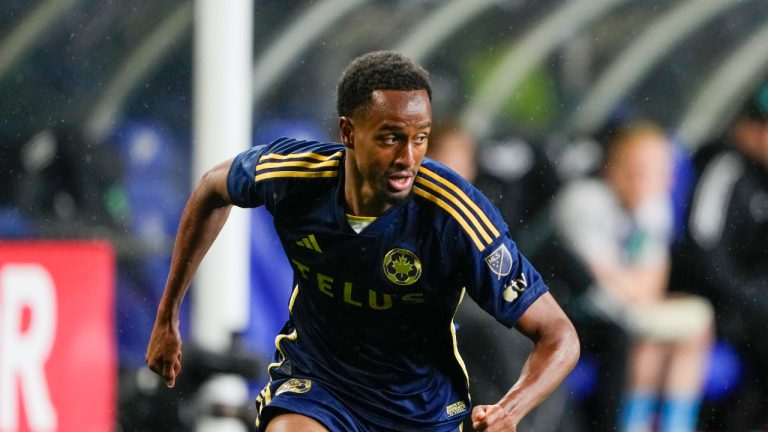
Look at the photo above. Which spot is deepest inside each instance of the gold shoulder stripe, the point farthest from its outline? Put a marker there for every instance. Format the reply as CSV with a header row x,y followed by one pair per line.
x,y
303,164
311,155
468,214
465,198
304,174
442,204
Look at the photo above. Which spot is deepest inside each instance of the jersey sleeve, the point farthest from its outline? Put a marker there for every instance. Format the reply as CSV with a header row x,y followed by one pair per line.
x,y
502,281
267,174
496,275
243,190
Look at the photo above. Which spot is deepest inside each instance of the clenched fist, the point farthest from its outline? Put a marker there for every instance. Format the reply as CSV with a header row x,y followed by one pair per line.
x,y
164,351
492,418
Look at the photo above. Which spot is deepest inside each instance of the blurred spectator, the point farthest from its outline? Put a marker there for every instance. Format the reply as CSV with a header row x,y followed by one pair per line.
x,y
620,227
725,257
493,355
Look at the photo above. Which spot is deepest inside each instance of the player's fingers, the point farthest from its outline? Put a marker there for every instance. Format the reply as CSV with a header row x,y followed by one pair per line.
x,y
153,365
479,426
478,418
170,382
479,412
168,374
496,420
177,366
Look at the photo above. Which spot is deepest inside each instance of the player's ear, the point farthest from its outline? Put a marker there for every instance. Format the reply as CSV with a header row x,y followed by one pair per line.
x,y
346,129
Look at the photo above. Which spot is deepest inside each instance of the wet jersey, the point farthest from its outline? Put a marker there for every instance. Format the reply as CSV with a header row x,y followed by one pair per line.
x,y
371,316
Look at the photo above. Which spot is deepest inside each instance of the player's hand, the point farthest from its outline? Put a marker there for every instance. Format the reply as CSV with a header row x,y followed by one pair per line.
x,y
164,351
492,418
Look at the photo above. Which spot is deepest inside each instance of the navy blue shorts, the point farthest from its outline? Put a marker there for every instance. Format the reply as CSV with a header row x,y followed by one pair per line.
x,y
309,398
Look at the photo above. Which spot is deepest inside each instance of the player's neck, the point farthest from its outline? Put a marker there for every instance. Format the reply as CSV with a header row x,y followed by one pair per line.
x,y
360,201
359,197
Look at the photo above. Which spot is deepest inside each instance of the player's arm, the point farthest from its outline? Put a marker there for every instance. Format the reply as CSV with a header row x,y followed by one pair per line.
x,y
204,215
555,352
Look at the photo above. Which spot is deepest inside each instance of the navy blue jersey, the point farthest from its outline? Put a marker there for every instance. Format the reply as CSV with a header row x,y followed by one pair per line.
x,y
371,317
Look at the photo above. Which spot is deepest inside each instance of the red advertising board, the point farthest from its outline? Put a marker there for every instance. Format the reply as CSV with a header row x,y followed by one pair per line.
x,y
57,347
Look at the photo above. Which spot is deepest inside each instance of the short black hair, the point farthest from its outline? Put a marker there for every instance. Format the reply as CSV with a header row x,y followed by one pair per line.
x,y
378,70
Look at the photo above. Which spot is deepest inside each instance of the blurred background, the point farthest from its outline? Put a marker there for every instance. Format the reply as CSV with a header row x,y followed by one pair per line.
x,y
105,122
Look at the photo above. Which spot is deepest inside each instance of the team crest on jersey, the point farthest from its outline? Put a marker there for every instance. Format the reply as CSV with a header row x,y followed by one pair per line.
x,y
500,261
402,266
294,385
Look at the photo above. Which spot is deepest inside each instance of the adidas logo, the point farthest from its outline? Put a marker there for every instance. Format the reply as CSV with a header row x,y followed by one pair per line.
x,y
310,243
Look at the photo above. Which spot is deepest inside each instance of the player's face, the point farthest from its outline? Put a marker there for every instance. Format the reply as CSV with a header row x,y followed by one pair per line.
x,y
387,141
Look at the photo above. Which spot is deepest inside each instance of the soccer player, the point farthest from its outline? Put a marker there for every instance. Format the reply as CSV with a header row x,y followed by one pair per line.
x,y
384,244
